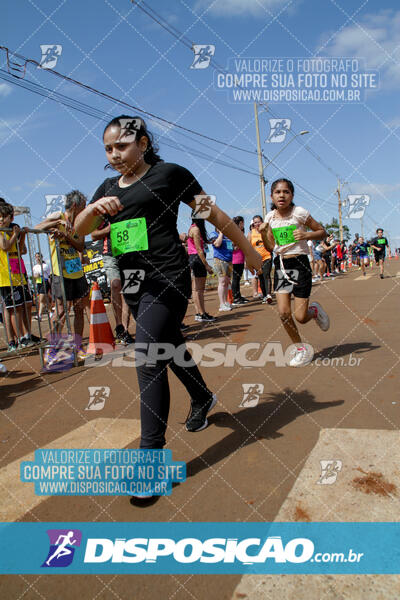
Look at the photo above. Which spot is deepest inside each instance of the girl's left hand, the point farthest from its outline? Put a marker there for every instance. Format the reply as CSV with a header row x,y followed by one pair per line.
x,y
299,235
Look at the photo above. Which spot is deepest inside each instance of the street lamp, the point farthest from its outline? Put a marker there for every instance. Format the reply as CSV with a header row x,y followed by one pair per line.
x,y
261,167
285,146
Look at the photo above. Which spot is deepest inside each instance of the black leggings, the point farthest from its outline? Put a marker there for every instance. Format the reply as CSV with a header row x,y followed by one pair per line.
x,y
159,320
237,273
265,277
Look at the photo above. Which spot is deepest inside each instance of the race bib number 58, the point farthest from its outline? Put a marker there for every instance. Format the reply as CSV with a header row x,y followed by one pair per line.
x,y
129,236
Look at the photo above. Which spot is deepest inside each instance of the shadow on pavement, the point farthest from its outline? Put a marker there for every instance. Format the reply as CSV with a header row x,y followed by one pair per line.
x,y
260,422
11,392
345,349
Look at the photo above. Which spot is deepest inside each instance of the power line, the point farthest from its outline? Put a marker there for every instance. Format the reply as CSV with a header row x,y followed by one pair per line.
x,y
101,115
180,37
121,102
52,95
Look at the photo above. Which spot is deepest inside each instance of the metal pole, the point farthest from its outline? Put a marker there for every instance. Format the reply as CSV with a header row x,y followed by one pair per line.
x,y
260,165
28,223
67,319
22,276
18,332
340,212
37,299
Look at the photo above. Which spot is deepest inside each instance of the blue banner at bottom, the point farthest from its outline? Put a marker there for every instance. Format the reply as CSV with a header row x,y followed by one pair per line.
x,y
204,548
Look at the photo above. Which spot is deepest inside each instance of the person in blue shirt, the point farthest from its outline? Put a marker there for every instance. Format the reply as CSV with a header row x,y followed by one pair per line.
x,y
362,252
223,250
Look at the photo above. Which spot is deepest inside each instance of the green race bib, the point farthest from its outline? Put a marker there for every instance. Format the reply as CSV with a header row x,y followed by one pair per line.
x,y
382,241
284,235
129,236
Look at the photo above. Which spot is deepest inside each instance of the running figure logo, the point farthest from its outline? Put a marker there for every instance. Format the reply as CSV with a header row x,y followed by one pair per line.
x,y
202,55
284,285
357,205
132,280
54,203
203,206
329,471
50,55
97,397
62,547
59,355
278,130
251,394
129,129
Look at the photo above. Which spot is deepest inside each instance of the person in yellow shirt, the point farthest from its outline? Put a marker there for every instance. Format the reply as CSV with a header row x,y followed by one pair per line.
x,y
61,225
14,298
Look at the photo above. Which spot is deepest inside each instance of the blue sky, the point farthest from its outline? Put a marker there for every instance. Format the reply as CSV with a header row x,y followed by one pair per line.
x,y
113,46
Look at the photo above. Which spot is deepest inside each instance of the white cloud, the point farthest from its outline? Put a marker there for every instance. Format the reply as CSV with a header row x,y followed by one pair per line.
x,y
375,189
149,24
7,128
394,123
5,89
376,38
39,183
235,8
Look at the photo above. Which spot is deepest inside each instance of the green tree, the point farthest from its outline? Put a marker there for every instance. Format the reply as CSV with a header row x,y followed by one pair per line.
x,y
333,227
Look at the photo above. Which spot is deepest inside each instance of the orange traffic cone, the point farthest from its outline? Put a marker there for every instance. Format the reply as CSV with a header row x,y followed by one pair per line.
x,y
230,295
101,339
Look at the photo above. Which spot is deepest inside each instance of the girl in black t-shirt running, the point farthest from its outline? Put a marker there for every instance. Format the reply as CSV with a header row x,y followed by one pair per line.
x,y
141,205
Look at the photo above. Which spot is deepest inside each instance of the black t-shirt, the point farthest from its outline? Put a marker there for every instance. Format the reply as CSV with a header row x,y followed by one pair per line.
x,y
381,243
156,197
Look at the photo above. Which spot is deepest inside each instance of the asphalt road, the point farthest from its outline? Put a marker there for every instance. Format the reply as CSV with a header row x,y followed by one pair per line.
x,y
242,467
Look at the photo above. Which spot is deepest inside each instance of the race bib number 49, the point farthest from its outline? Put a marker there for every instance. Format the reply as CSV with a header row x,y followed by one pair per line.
x,y
129,236
284,235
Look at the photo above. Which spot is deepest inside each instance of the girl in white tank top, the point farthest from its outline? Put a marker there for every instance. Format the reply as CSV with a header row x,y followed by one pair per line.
x,y
286,230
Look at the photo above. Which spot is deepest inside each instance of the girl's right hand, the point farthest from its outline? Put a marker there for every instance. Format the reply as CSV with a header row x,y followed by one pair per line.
x,y
209,269
109,205
263,226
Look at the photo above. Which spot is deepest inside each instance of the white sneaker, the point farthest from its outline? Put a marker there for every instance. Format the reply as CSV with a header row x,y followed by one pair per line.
x,y
225,308
3,369
301,357
321,318
197,317
228,304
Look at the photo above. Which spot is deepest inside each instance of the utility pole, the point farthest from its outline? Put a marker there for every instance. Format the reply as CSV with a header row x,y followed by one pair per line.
x,y
260,164
340,212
